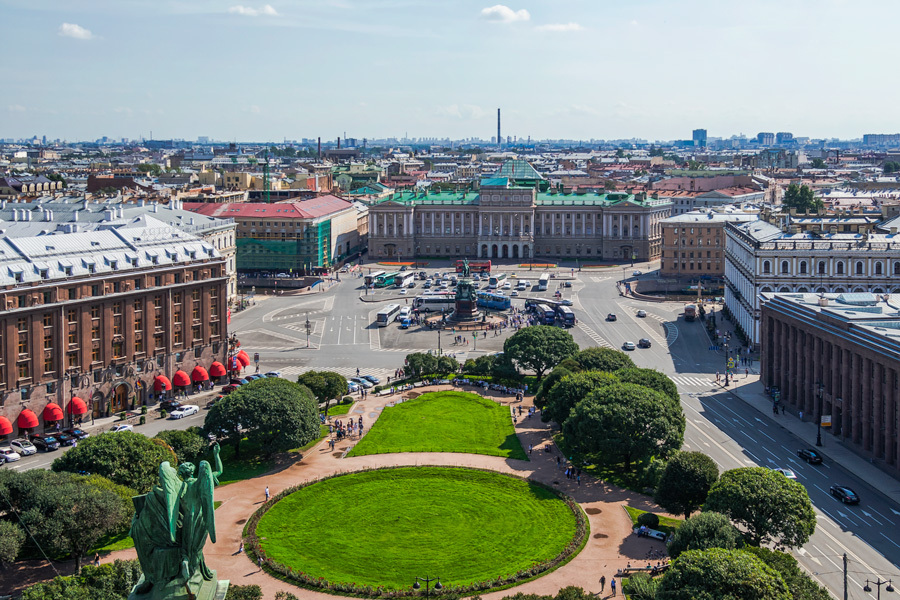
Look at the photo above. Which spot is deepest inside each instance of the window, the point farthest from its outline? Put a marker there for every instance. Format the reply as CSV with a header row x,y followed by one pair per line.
x,y
878,268
767,267
840,268
23,343
157,320
95,290
803,267
95,330
95,355
138,324
73,337
138,346
95,312
72,359
48,340
821,267
48,364
48,320
22,325
118,349
785,267
897,268
196,312
178,337
24,370
859,267
72,316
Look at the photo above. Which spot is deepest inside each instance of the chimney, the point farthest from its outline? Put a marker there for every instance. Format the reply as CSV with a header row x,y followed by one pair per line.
x,y
893,231
823,301
319,149
339,143
75,215
499,139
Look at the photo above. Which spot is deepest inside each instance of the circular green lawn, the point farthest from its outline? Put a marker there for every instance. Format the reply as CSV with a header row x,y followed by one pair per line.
x,y
385,527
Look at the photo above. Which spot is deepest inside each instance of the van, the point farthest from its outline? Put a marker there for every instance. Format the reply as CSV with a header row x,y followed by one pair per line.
x,y
404,313
405,323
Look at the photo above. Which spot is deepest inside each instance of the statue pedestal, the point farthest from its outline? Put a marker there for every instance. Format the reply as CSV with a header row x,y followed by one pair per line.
x,y
175,589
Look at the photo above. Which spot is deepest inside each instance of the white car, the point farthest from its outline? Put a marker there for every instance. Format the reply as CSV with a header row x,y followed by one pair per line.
x,y
23,447
404,292
7,454
122,427
185,411
507,286
642,313
514,293
787,473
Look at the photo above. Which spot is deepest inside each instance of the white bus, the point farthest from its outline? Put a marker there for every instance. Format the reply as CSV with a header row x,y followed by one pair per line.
x,y
407,281
371,277
387,315
434,302
543,282
495,280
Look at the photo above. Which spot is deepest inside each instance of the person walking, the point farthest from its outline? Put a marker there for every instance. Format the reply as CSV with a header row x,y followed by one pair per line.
x,y
267,493
97,559
241,549
530,448
602,583
612,585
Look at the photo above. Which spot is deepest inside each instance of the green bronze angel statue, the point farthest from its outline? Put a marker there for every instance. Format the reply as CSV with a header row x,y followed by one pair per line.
x,y
170,526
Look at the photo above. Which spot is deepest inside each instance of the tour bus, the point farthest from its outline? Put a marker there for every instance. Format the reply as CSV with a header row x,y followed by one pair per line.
x,y
475,266
407,280
386,280
496,280
493,301
566,315
543,282
434,302
387,315
371,277
547,314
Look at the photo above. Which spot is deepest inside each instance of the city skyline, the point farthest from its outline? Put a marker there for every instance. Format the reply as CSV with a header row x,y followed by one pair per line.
x,y
265,71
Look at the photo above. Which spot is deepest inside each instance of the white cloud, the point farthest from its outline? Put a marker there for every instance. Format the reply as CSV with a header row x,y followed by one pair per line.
x,y
559,27
75,31
504,14
249,11
15,108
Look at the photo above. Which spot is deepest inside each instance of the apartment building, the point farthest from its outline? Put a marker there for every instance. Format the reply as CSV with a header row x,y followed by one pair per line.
x,y
693,244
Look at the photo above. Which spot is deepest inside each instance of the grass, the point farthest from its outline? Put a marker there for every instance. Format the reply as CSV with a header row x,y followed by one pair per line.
x,y
666,524
463,524
444,422
338,409
252,463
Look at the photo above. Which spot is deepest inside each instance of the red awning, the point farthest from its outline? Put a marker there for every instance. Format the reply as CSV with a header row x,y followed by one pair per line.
x,y
243,358
199,374
52,412
181,379
217,369
5,426
27,419
77,406
161,384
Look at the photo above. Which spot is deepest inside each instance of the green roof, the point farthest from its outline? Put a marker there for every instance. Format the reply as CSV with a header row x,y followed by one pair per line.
x,y
419,198
517,170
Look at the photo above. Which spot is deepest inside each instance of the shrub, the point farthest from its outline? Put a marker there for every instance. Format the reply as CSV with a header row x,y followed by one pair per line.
x,y
648,519
163,414
143,410
122,416
143,420
347,400
244,592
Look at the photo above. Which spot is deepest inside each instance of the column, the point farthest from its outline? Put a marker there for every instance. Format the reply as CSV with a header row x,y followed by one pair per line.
x,y
480,228
453,223
443,225
532,223
892,450
491,224
395,224
866,402
878,410
855,400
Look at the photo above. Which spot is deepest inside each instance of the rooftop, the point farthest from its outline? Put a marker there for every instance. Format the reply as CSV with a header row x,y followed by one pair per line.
x,y
314,208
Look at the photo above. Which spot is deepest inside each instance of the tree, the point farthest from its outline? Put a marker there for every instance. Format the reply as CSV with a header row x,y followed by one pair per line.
x,y
543,390
801,198
609,185
650,378
539,348
623,423
603,359
703,531
685,482
571,390
620,153
447,365
124,493
818,163
11,539
719,573
325,385
768,506
480,366
800,585
421,363
273,413
106,582
640,586
891,166
189,445
127,458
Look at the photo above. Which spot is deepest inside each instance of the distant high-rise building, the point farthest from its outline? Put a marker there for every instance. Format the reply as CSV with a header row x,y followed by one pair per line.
x,y
765,139
881,139
784,137
203,139
699,137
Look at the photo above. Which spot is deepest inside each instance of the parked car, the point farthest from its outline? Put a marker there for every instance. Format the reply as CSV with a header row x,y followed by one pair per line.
x,y
786,472
75,432
611,317
810,456
642,313
65,439
213,402
228,389
8,455
23,447
122,427
238,381
282,275
567,284
844,494
273,374
514,294
169,405
404,292
566,302
644,343
364,383
44,442
185,411
628,346
352,386
404,324
254,377
636,273
372,379
403,268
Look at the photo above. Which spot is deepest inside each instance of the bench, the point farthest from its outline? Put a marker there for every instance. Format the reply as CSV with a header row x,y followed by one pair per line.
x,y
651,533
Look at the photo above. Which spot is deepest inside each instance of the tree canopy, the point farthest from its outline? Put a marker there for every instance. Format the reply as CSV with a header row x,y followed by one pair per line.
x,y
543,391
603,359
273,413
802,198
718,573
685,482
768,506
189,445
11,539
623,423
703,531
325,385
421,363
569,391
818,163
650,378
800,585
107,582
539,348
891,166
127,458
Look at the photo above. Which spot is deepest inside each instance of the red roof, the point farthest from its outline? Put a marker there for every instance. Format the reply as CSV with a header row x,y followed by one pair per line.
x,y
294,209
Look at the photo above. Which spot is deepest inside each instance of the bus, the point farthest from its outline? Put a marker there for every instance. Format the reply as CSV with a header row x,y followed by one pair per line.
x,y
493,301
386,280
496,280
475,266
546,314
543,282
387,315
406,280
566,315
435,302
371,277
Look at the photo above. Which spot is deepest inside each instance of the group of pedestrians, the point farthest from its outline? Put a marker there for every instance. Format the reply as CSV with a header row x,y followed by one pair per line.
x,y
340,429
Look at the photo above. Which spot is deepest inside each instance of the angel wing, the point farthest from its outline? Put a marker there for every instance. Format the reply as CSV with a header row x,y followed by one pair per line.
x,y
172,486
206,480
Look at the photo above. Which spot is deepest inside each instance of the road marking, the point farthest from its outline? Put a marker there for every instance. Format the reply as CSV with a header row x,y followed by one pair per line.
x,y
890,540
598,339
869,516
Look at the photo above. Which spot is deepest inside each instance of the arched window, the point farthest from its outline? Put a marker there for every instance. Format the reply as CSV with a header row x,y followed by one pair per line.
x,y
840,268
802,290
803,267
859,267
785,267
821,267
878,269
766,289
784,288
767,267
897,268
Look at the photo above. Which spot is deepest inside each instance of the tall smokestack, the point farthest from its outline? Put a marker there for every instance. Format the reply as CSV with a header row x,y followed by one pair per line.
x,y
319,148
499,139
339,143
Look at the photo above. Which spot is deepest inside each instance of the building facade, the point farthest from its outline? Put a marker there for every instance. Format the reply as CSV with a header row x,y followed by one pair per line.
x,y
99,315
693,244
838,356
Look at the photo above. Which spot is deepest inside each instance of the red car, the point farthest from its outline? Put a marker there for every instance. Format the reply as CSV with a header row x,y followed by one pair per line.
x,y
228,389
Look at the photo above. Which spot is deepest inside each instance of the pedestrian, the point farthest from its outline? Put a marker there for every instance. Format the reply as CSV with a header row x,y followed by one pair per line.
x,y
746,372
801,415
241,549
612,585
259,562
97,559
530,448
357,371
558,462
579,478
602,583
267,493
717,376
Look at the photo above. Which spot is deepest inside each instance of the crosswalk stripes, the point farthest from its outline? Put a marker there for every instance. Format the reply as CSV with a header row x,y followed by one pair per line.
x,y
688,381
598,339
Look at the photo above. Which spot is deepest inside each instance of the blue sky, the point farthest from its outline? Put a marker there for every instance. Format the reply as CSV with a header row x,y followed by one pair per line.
x,y
268,69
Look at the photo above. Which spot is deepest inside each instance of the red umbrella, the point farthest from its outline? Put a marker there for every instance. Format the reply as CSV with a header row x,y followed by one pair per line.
x,y
52,412
77,406
27,419
199,374
161,384
5,426
181,379
243,358
217,369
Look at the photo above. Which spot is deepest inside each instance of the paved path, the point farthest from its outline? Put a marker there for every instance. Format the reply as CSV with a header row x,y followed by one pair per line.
x,y
609,547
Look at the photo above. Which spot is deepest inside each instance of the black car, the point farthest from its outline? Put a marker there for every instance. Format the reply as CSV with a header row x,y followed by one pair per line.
x,y
65,439
611,317
568,284
78,434
44,442
644,343
169,405
844,494
810,456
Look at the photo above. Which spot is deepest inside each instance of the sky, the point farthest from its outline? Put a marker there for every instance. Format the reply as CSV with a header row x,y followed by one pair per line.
x,y
266,70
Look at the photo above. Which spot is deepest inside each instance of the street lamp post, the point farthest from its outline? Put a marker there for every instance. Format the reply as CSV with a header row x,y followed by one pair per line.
x,y
821,391
866,588
727,338
428,580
